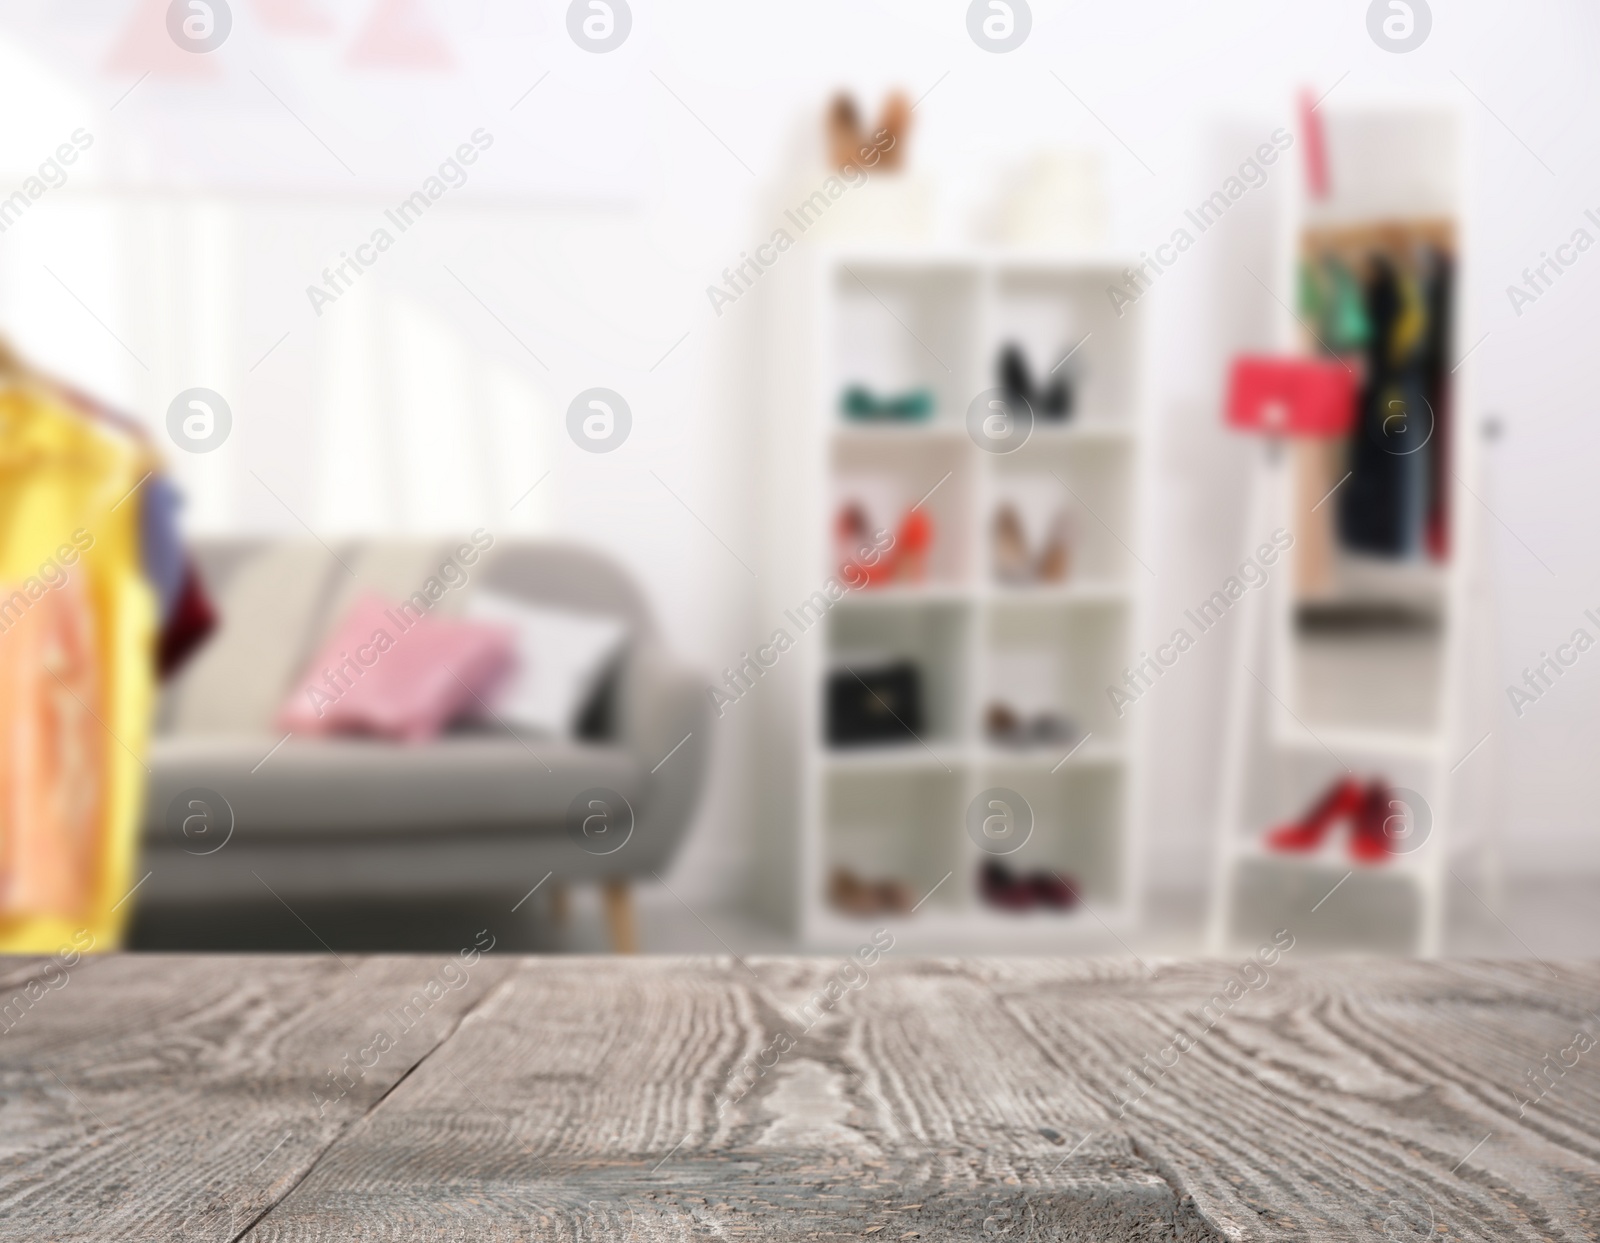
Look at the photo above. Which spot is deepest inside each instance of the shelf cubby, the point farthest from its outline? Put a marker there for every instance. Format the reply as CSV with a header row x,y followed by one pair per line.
x,y
900,326
1091,481
1376,909
1078,818
895,825
892,473
1087,650
1388,682
1051,311
933,637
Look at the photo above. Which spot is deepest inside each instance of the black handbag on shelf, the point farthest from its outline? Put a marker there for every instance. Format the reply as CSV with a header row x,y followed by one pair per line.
x,y
879,704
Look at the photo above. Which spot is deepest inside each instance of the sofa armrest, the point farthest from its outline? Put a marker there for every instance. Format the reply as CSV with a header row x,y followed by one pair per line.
x,y
666,721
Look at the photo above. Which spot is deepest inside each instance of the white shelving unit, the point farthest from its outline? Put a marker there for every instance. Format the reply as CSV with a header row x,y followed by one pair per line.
x,y
1403,706
895,319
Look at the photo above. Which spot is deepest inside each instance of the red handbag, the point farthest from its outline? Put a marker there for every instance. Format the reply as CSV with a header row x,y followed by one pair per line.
x,y
1282,396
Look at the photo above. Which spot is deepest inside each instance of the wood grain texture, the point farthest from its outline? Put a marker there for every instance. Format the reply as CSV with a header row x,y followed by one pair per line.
x,y
156,1097
653,1099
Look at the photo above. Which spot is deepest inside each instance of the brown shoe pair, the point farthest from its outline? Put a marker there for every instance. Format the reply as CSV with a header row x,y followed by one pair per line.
x,y
850,144
1014,562
849,893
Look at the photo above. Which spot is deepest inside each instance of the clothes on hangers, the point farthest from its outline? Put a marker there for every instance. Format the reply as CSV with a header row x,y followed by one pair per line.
x,y
52,756
191,622
1386,309
1372,503
186,612
77,633
1437,352
161,549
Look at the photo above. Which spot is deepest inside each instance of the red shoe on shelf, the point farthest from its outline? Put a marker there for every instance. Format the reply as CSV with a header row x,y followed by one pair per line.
x,y
911,547
905,560
1053,890
1345,800
1001,887
1371,840
852,535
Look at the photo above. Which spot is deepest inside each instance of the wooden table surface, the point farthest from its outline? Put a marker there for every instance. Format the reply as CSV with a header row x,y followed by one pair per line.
x,y
376,1098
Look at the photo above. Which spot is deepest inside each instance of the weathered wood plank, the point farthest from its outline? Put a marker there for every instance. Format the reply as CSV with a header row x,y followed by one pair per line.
x,y
577,1099
691,1098
166,1097
1346,1100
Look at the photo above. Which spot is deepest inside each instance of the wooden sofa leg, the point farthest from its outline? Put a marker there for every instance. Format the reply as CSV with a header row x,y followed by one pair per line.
x,y
619,916
558,903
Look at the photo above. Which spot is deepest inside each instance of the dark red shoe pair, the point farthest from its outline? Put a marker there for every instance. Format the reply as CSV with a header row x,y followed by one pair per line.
x,y
1365,808
1006,889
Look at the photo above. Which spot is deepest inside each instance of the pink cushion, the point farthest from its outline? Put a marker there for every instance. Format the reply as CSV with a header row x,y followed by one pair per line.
x,y
391,673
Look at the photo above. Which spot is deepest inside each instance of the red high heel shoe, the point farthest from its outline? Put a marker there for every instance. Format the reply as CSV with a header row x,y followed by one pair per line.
x,y
1004,888
903,561
1345,800
1373,835
1053,890
911,547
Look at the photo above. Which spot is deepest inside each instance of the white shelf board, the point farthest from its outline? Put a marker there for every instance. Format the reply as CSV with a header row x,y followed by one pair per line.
x,y
1091,754
939,430
1345,740
900,757
893,595
1081,593
1097,430
896,757
1414,581
919,257
1086,432
1332,858
980,925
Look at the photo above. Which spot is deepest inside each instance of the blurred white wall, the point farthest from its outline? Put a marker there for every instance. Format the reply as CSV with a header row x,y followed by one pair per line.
x,y
434,392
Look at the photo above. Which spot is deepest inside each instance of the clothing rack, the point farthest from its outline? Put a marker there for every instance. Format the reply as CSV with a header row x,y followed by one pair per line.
x,y
97,596
1354,663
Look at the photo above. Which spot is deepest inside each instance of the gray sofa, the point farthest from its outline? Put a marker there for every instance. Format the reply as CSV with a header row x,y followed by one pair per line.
x,y
476,812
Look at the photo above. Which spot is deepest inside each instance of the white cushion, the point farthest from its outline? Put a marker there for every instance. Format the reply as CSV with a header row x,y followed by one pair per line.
x,y
561,657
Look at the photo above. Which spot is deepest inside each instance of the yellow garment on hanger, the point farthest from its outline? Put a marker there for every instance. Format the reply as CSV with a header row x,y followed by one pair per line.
x,y
1411,324
77,678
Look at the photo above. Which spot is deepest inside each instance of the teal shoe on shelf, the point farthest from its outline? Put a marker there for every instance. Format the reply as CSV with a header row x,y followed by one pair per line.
x,y
860,404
